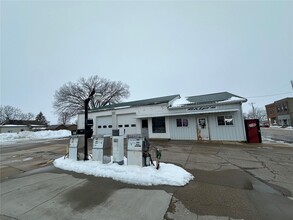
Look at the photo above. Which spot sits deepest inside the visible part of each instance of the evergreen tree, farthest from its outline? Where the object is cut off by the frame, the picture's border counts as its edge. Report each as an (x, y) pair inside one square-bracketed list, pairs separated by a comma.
[(41, 118)]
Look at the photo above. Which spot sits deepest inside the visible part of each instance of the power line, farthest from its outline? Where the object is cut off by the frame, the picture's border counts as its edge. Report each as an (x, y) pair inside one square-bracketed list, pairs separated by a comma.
[(261, 96)]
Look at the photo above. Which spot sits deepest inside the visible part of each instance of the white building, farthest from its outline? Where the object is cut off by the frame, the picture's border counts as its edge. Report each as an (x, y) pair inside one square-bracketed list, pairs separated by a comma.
[(13, 126), (215, 116)]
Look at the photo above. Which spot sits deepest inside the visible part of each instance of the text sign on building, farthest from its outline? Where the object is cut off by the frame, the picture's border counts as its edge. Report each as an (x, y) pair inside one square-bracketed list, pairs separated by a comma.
[(201, 108)]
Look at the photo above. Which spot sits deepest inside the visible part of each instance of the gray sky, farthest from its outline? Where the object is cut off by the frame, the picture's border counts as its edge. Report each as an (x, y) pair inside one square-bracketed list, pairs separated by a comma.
[(157, 48)]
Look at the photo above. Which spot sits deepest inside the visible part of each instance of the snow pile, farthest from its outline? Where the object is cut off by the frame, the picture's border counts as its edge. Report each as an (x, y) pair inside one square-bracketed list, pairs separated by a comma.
[(280, 127), (29, 135), (268, 140), (233, 99), (168, 174)]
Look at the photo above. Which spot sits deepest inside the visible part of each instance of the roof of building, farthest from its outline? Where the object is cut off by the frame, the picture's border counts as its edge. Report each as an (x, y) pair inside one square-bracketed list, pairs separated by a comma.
[(191, 100), (152, 101), (214, 98), (23, 122)]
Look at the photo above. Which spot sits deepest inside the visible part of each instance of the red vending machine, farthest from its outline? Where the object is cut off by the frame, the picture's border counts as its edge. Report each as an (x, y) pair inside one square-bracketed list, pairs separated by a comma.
[(253, 134)]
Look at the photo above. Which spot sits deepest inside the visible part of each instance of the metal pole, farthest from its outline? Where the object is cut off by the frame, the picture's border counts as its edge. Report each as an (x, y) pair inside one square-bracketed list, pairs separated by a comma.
[(86, 102)]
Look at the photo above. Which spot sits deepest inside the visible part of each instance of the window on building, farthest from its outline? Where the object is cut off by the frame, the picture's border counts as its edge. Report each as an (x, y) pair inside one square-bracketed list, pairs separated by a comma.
[(109, 126), (120, 126), (104, 126), (99, 126), (225, 120), (179, 122), (126, 126), (159, 125), (144, 123), (182, 122), (133, 125)]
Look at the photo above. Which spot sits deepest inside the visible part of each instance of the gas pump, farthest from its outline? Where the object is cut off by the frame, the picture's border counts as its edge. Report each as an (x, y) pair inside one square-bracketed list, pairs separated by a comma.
[(73, 147), (138, 151), (134, 150), (118, 149), (98, 148)]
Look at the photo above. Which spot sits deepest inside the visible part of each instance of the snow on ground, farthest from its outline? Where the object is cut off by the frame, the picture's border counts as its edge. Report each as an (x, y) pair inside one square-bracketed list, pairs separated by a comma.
[(280, 127), (9, 138), (269, 140), (168, 174)]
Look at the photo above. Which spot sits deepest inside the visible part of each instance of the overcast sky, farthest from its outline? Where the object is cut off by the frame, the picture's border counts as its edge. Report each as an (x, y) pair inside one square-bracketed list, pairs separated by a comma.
[(157, 48)]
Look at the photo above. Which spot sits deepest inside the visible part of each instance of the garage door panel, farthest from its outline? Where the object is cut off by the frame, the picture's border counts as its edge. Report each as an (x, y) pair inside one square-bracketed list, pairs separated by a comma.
[(127, 124), (104, 125)]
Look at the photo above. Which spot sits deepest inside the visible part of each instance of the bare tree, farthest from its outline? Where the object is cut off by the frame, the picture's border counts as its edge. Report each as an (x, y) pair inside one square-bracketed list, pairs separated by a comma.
[(64, 118), (8, 112), (69, 99), (257, 113), (27, 116)]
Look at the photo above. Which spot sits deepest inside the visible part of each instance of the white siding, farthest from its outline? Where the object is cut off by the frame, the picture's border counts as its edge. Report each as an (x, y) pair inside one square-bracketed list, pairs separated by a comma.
[(134, 115), (183, 133), (228, 132), (13, 129), (104, 125), (127, 124)]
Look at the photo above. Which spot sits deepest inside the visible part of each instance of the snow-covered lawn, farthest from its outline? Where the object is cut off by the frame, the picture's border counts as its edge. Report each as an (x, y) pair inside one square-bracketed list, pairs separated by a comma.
[(279, 127), (168, 174), (8, 138)]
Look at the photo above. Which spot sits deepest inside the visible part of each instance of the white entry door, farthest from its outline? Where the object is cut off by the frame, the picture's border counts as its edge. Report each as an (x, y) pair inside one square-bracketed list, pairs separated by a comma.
[(202, 129)]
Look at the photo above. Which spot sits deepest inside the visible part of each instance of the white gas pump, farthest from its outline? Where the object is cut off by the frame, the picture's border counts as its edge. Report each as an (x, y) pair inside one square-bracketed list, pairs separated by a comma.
[(135, 150), (118, 149), (73, 147), (98, 149)]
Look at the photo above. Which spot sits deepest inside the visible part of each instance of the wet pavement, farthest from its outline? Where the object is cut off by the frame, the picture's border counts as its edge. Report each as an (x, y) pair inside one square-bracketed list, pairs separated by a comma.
[(232, 181)]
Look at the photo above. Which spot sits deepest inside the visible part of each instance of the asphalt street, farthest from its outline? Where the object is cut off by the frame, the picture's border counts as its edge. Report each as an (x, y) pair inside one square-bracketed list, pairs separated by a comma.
[(278, 134), (232, 181)]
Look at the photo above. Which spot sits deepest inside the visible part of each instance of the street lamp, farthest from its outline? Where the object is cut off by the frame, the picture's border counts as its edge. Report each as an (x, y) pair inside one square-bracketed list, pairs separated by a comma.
[(96, 96)]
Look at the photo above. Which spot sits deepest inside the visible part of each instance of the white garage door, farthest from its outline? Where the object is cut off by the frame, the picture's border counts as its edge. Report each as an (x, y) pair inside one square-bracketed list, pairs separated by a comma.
[(127, 124), (104, 125)]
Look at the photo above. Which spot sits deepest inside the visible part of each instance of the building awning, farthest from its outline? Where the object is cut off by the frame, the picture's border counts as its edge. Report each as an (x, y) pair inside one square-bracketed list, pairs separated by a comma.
[(187, 113)]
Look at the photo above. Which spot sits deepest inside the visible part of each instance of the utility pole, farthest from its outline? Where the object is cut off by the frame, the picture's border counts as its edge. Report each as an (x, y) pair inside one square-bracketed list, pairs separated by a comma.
[(292, 84), (253, 109)]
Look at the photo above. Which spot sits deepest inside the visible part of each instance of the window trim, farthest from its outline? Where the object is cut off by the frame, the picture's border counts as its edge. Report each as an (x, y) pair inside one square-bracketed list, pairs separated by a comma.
[(182, 122), (225, 120), (159, 130)]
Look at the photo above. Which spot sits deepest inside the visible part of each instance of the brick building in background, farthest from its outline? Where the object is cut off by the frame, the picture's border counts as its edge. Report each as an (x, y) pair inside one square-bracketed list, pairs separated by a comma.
[(280, 112)]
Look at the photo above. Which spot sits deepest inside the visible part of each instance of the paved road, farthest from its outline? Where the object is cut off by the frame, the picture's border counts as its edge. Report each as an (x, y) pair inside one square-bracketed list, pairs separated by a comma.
[(21, 157), (232, 181), (277, 134)]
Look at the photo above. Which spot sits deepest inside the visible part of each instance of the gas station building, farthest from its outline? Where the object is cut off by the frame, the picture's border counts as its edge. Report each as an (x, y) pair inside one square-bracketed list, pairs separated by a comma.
[(215, 117)]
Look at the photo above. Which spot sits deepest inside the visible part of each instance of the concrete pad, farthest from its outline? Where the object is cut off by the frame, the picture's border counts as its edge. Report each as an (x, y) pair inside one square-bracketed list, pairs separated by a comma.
[(210, 166), (211, 217), (179, 211), (45, 196), (132, 204), (245, 164), (19, 197), (205, 158)]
